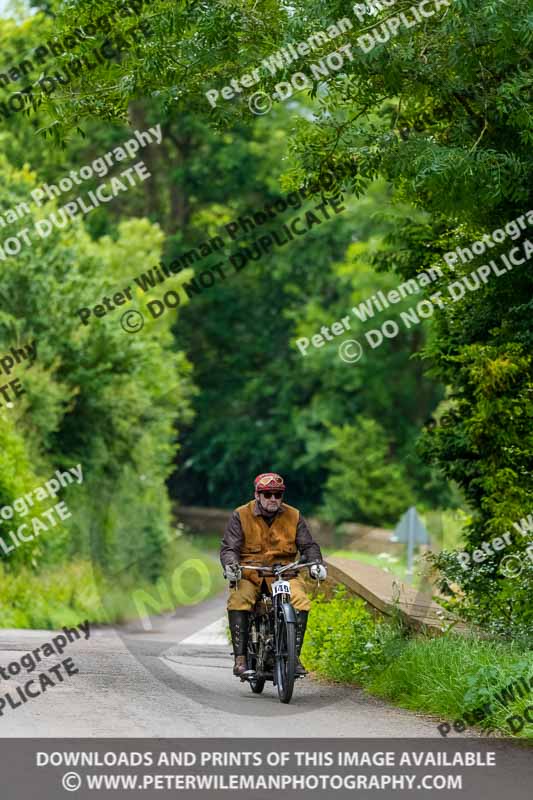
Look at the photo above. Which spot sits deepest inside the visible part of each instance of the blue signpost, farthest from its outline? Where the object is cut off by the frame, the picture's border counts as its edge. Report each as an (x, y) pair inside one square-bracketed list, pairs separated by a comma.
[(411, 531)]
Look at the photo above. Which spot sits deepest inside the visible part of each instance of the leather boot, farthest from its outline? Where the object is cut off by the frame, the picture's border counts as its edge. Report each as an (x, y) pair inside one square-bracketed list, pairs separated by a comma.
[(301, 625), (238, 624)]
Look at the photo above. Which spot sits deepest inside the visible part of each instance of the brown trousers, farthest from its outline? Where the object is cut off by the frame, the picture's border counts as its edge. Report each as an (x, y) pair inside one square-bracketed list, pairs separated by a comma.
[(245, 594)]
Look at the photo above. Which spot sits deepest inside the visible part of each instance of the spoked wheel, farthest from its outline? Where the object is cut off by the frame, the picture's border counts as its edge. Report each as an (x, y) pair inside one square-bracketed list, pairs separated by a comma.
[(256, 684), (285, 659)]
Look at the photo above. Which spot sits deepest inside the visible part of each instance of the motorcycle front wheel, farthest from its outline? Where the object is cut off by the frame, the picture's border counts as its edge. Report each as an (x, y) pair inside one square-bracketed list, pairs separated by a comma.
[(285, 659)]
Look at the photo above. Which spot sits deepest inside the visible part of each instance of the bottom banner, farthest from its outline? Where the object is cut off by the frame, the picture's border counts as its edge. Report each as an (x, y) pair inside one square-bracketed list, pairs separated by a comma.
[(48, 769)]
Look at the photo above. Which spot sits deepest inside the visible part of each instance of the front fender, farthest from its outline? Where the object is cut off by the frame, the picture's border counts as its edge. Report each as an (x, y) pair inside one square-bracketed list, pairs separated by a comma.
[(288, 612)]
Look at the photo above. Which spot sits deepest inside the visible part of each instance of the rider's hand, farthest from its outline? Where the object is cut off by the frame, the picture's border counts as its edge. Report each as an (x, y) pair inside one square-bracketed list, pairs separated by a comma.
[(232, 572), (318, 571)]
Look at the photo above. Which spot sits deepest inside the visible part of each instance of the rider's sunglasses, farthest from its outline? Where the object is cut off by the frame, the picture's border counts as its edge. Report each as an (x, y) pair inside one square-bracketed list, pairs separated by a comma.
[(277, 495)]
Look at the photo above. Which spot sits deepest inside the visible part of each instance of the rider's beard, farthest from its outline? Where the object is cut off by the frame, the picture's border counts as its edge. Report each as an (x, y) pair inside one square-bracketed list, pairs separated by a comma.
[(269, 506)]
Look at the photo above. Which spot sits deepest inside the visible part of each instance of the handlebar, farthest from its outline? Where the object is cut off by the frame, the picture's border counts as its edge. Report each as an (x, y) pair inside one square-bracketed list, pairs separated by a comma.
[(282, 568)]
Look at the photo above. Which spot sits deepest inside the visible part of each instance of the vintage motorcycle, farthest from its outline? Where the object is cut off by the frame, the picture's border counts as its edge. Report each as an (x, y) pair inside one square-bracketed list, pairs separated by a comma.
[(272, 632)]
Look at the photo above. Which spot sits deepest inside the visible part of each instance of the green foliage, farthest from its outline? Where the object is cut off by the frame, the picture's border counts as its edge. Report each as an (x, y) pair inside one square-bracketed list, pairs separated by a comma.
[(442, 113), (210, 182), (364, 483), (69, 593), (188, 47), (446, 675), (451, 675), (94, 396), (62, 595), (291, 401), (486, 596), (341, 641)]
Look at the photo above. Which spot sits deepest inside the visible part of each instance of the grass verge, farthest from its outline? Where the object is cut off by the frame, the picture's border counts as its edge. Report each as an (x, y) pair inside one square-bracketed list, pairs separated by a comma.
[(450, 676), (73, 592), (395, 564)]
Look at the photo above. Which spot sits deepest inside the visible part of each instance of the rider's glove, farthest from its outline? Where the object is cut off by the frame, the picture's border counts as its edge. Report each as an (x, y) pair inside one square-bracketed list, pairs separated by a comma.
[(318, 571), (232, 572)]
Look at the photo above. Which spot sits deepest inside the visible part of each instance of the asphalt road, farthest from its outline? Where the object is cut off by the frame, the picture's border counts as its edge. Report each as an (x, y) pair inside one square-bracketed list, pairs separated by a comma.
[(176, 681)]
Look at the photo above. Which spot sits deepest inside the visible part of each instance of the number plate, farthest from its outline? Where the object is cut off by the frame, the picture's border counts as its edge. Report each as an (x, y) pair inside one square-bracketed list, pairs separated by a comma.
[(281, 587)]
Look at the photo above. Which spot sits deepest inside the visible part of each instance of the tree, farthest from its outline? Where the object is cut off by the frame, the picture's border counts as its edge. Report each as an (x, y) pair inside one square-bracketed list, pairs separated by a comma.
[(364, 483), (94, 395), (441, 110), (455, 139), (241, 336)]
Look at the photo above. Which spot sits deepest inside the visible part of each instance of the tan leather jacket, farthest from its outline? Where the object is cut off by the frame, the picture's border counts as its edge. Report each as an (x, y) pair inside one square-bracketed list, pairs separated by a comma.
[(253, 538)]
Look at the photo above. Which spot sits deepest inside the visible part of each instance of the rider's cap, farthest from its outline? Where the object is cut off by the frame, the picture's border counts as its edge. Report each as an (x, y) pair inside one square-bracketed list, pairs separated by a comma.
[(269, 481)]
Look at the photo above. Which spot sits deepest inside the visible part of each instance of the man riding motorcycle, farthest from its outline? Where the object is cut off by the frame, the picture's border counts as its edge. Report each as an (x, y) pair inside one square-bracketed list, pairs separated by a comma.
[(265, 531)]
